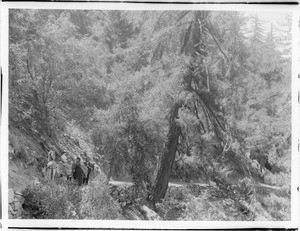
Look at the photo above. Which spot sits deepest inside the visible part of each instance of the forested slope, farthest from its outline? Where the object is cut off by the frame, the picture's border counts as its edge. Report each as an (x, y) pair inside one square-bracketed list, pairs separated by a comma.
[(154, 96)]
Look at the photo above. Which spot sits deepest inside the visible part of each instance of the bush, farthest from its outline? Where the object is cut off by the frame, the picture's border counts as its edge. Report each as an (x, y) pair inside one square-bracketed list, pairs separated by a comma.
[(173, 204), (187, 172), (202, 210), (52, 200), (195, 202), (97, 203), (260, 213), (219, 203), (65, 200), (271, 208), (280, 179), (278, 207)]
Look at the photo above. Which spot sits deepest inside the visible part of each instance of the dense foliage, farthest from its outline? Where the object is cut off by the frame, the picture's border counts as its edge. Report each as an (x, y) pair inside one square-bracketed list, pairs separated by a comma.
[(61, 200), (187, 95)]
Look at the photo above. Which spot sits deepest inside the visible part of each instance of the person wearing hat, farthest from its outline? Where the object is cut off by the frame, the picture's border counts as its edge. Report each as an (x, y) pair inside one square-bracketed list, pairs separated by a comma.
[(77, 172), (88, 168), (50, 169), (66, 166)]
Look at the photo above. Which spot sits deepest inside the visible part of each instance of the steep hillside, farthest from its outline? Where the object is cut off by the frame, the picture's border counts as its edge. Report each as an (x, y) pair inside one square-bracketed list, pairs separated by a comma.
[(28, 154), (26, 158)]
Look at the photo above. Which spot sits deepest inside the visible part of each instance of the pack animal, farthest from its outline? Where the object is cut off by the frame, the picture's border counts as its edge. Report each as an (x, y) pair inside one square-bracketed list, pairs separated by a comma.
[(52, 170)]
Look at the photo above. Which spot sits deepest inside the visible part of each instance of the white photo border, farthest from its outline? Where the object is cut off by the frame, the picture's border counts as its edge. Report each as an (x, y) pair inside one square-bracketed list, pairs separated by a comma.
[(118, 224)]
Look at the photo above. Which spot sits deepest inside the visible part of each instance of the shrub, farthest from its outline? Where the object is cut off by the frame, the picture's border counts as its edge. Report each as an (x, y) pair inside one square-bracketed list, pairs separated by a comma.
[(280, 179), (52, 200), (219, 203), (203, 210), (34, 197), (226, 202), (187, 171), (97, 203), (260, 213), (65, 200), (278, 207), (173, 204)]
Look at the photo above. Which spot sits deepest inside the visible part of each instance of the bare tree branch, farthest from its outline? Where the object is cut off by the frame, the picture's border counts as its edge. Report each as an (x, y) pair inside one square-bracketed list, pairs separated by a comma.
[(216, 41)]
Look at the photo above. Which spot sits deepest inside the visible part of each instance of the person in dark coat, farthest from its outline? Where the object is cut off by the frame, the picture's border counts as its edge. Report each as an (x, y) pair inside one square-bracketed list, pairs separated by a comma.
[(78, 173)]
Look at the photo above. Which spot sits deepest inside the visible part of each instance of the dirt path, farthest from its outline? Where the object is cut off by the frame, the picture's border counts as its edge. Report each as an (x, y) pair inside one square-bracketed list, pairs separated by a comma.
[(172, 183), (180, 184)]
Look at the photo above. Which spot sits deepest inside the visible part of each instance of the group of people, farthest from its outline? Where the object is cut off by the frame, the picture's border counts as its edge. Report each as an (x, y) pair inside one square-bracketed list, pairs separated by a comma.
[(63, 169)]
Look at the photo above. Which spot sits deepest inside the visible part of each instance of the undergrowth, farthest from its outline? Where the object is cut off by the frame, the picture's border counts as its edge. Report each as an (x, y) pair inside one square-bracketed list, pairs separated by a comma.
[(238, 202), (241, 202), (97, 203), (65, 200)]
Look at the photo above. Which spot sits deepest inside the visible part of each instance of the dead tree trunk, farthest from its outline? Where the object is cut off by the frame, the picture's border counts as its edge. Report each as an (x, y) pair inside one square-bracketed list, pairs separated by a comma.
[(166, 161)]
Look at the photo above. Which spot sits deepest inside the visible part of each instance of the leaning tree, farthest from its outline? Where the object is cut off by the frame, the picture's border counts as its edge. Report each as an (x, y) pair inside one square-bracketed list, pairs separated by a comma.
[(197, 32)]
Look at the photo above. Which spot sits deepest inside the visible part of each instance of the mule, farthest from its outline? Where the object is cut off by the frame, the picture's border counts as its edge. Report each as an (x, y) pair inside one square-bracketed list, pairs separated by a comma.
[(51, 170), (55, 170)]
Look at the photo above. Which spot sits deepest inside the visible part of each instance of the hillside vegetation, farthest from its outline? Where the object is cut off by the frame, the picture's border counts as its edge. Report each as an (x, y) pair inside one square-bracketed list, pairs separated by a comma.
[(197, 98)]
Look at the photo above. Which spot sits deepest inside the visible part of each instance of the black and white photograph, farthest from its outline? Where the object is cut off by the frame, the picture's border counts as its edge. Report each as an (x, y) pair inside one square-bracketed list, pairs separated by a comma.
[(150, 114)]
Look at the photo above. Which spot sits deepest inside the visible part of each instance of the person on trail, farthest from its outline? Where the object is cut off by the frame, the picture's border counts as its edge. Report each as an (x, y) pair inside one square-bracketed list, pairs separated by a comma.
[(66, 168), (89, 167), (77, 163), (50, 170), (77, 172), (51, 155), (51, 167), (86, 159)]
